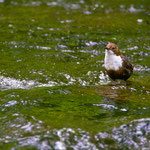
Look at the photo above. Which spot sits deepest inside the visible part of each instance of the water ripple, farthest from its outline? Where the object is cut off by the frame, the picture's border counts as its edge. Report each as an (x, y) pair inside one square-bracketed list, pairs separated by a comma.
[(140, 68), (132, 136), (12, 83)]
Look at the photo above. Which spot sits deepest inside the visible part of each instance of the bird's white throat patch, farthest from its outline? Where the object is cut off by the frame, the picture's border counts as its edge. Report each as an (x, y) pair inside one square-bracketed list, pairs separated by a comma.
[(112, 61)]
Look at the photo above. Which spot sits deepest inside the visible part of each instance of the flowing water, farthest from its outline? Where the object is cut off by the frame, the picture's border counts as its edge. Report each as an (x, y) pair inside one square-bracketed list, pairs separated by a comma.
[(54, 92)]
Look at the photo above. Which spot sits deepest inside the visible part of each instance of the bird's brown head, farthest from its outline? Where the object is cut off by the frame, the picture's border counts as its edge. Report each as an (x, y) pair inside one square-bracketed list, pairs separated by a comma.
[(113, 47)]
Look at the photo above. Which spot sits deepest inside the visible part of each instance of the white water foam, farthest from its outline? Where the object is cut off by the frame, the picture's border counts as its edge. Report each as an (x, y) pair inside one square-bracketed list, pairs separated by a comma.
[(12, 83)]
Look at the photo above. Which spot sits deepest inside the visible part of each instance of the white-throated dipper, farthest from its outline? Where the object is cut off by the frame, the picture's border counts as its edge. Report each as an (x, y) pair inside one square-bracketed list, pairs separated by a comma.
[(116, 64)]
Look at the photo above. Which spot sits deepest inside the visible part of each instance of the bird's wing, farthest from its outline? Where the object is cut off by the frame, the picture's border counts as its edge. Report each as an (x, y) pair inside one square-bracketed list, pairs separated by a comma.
[(126, 63)]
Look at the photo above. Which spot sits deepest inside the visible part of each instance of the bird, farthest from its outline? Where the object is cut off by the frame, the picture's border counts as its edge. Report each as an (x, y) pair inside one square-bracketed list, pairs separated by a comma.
[(116, 64)]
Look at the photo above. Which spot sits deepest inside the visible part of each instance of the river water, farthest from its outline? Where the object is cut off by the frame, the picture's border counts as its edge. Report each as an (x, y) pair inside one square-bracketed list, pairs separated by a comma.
[(54, 92)]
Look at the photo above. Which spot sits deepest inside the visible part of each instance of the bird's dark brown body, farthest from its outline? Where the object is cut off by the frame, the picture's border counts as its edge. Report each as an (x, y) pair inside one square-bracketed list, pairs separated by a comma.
[(116, 64)]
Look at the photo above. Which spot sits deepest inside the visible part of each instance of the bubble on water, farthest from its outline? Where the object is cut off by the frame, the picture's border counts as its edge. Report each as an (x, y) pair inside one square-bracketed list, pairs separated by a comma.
[(87, 12), (43, 47), (40, 47), (91, 43), (75, 6), (133, 89), (122, 6), (106, 106), (133, 9), (23, 44), (10, 103), (52, 3), (81, 1), (102, 6), (140, 20), (114, 87), (96, 5), (148, 92), (94, 52), (104, 79), (132, 48), (11, 31), (51, 29), (59, 145), (28, 127), (68, 51), (10, 25), (140, 68), (62, 46), (66, 21), (123, 109), (39, 28), (15, 114)]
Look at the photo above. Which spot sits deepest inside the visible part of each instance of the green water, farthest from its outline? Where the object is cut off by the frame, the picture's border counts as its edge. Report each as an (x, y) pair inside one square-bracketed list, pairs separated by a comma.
[(54, 93)]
